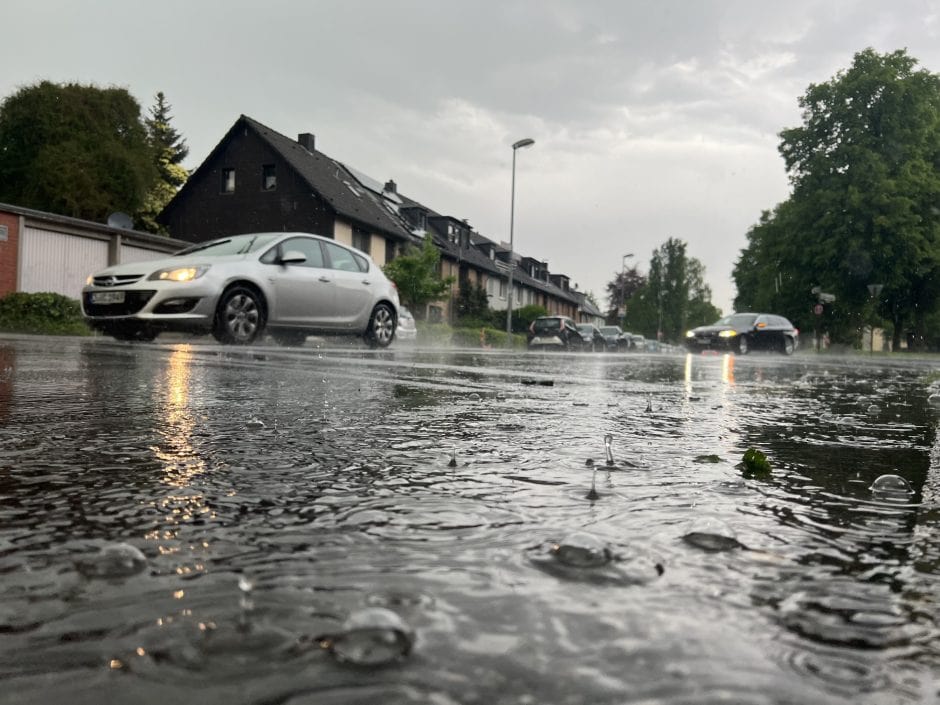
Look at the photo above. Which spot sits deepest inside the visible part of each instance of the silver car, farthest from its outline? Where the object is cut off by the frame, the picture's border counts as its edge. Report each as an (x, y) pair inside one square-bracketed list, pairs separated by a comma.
[(288, 284)]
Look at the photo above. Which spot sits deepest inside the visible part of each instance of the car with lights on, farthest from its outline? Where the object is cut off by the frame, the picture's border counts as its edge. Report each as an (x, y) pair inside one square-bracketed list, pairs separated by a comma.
[(289, 285), (744, 332)]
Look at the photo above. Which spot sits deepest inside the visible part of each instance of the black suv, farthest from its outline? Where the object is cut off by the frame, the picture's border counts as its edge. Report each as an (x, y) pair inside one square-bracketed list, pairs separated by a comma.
[(555, 333)]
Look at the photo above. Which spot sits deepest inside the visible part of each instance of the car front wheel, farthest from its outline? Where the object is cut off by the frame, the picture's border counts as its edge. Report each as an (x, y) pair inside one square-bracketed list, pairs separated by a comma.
[(239, 318), (381, 328)]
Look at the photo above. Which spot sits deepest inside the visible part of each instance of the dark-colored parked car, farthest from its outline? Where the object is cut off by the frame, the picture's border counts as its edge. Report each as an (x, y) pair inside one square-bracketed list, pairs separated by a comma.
[(593, 338), (614, 339), (743, 332), (555, 333)]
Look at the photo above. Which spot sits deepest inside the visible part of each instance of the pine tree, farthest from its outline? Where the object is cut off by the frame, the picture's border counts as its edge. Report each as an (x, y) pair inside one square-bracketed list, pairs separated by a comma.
[(169, 150)]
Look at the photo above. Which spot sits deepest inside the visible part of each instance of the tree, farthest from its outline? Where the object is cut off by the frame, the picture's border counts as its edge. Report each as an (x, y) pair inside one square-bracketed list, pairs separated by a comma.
[(415, 273), (472, 301), (73, 149), (674, 296), (169, 151), (865, 182), (620, 289)]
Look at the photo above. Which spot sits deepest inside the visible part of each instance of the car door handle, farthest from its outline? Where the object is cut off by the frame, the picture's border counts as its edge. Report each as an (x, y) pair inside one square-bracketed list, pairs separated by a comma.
[(325, 279), (367, 282)]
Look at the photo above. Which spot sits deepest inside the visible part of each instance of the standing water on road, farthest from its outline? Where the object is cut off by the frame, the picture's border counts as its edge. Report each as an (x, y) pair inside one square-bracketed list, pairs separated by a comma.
[(187, 522)]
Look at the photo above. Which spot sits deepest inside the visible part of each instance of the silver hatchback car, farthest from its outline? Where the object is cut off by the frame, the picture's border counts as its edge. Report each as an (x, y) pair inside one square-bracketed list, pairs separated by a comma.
[(288, 284)]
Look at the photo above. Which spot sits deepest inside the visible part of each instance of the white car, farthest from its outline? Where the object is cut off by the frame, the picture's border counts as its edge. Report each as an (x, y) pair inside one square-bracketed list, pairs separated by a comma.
[(288, 284), (406, 325)]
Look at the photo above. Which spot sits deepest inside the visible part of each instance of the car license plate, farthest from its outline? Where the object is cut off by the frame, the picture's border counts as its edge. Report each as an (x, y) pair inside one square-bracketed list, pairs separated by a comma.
[(107, 297)]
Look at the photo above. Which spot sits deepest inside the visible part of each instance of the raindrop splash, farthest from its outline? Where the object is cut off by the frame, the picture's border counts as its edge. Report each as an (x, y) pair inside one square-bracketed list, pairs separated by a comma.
[(649, 404), (592, 493), (374, 636), (246, 603), (119, 560), (582, 550), (608, 439), (254, 424), (453, 458), (711, 535)]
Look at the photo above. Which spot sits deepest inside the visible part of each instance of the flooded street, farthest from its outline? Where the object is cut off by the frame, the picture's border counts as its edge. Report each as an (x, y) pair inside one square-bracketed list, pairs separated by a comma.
[(183, 522)]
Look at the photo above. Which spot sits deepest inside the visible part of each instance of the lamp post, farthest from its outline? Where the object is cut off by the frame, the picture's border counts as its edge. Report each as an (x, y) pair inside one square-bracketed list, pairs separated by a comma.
[(623, 286), (526, 142)]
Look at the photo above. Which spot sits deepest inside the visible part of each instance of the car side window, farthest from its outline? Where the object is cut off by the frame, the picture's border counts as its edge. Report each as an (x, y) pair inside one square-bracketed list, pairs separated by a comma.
[(345, 260), (308, 246)]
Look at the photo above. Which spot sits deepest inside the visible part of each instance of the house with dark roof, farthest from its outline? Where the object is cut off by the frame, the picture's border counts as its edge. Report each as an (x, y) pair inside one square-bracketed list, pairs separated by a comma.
[(256, 179)]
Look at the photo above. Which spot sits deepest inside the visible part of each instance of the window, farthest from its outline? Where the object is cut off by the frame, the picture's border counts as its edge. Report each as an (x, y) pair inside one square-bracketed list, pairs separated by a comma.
[(268, 177), (345, 260), (502, 289), (307, 245), (389, 251), (228, 181), (361, 240)]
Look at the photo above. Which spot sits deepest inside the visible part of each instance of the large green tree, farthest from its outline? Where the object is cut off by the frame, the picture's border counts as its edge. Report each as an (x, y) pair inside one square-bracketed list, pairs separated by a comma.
[(77, 150), (169, 151), (417, 278), (864, 166), (621, 289)]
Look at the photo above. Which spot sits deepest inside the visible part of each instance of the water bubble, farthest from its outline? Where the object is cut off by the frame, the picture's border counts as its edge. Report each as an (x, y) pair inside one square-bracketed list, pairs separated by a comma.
[(254, 423), (473, 396), (710, 534), (934, 400), (582, 550), (371, 637), (874, 409), (891, 488), (119, 560)]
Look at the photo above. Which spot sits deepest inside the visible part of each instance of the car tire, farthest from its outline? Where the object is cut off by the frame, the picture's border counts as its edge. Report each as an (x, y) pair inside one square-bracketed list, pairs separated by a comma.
[(240, 316), (743, 345), (788, 345), (381, 330), (289, 338)]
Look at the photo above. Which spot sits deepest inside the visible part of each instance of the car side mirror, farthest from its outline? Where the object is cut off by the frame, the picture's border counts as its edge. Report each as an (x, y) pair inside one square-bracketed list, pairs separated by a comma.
[(292, 257)]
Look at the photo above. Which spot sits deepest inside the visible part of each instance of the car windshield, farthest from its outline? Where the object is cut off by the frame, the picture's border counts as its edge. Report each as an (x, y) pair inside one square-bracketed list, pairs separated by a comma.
[(238, 245), (542, 324), (585, 328), (737, 320), (610, 330)]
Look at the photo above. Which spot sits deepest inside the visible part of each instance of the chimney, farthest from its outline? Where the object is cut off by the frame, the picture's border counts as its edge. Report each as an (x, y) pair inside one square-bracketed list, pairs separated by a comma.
[(307, 141), (391, 186)]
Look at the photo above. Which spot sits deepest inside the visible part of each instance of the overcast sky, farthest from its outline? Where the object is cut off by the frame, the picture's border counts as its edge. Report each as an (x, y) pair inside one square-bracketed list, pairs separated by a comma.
[(652, 119)]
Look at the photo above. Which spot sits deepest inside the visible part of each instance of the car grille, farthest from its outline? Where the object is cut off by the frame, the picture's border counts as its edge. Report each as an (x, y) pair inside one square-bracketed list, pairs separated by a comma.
[(133, 302), (117, 279)]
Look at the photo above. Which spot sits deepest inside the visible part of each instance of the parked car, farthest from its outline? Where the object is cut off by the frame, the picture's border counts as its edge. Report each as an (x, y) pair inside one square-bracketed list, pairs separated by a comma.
[(743, 332), (406, 325), (593, 338), (614, 340), (288, 284), (637, 342), (555, 333)]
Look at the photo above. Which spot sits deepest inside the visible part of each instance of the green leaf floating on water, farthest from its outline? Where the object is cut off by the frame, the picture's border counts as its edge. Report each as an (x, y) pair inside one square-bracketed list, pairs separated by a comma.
[(755, 464), (707, 459)]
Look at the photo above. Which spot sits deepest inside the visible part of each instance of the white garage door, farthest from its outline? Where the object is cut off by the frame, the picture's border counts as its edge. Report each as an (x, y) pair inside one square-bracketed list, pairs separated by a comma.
[(58, 263)]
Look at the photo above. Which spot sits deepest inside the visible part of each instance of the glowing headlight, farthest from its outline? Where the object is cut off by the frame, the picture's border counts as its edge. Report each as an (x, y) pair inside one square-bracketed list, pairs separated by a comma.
[(727, 334), (90, 280), (179, 274), (690, 334)]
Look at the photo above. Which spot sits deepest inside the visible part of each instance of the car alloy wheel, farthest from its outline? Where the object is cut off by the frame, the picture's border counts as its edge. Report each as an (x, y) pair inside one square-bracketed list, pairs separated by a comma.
[(381, 326), (239, 319)]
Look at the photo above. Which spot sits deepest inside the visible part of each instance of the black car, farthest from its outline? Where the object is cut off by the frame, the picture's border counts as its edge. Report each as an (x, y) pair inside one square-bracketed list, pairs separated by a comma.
[(555, 333), (614, 340), (593, 338), (744, 332)]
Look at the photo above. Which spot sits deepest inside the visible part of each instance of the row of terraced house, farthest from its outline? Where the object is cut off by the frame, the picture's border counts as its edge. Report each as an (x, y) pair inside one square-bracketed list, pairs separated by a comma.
[(256, 179)]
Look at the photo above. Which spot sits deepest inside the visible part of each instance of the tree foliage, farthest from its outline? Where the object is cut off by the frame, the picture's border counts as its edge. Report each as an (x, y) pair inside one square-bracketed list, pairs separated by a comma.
[(472, 301), (620, 289), (864, 166), (77, 150), (674, 296), (415, 273), (169, 151)]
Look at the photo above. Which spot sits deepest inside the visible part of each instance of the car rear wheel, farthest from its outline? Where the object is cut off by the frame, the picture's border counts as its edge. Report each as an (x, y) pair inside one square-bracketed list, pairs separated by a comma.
[(788, 345), (240, 317), (289, 338), (381, 328), (743, 345)]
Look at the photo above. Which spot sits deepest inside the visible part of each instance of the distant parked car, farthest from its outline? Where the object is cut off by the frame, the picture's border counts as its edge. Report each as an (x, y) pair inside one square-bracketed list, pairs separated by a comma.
[(743, 332), (637, 342), (555, 333), (593, 338), (237, 288), (406, 325), (614, 340)]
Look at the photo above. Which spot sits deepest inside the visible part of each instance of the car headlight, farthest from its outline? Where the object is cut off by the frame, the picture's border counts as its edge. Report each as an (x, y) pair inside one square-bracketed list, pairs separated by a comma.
[(179, 274), (690, 334), (90, 280), (727, 334)]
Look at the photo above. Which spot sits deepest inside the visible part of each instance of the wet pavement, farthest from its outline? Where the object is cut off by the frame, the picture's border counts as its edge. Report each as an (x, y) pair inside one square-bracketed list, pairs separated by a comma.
[(181, 521)]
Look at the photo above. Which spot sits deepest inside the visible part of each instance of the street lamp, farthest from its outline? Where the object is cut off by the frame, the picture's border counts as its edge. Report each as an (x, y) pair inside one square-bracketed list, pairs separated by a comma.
[(526, 142), (623, 276)]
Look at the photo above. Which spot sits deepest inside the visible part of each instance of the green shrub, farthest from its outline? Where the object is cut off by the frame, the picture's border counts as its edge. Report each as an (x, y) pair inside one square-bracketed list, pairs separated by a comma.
[(45, 312)]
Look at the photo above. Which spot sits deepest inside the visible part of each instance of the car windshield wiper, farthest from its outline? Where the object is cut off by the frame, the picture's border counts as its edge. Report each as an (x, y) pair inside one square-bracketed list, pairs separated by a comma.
[(247, 248), (200, 247)]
